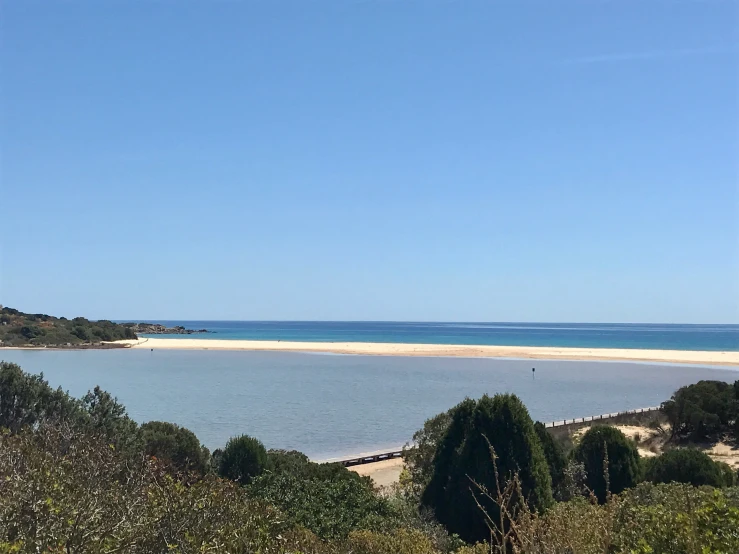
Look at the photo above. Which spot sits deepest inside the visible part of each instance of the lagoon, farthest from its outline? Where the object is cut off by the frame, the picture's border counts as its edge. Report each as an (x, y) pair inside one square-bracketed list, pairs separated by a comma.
[(334, 405)]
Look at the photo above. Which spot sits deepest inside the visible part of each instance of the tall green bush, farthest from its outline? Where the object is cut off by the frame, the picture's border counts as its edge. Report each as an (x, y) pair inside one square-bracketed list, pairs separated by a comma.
[(611, 460), (499, 425), (555, 456), (243, 459)]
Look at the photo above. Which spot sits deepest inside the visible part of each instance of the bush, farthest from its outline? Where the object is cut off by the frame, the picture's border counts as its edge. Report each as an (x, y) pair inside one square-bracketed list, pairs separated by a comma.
[(606, 451), (501, 424), (555, 456), (666, 519), (328, 499), (685, 465), (175, 445), (70, 492), (401, 540), (703, 410), (243, 459), (648, 519)]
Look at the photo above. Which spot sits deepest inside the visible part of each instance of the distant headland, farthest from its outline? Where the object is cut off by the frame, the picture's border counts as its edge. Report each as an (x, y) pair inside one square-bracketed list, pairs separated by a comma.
[(24, 330)]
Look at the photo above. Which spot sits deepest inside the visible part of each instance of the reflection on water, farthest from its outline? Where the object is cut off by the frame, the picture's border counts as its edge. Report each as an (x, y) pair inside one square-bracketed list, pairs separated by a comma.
[(329, 406)]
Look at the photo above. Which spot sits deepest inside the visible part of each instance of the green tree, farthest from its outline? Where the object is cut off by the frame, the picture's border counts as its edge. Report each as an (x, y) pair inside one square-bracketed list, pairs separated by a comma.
[(685, 465), (501, 426), (27, 399), (703, 410), (243, 459), (419, 456), (555, 456), (175, 445), (108, 416), (607, 453)]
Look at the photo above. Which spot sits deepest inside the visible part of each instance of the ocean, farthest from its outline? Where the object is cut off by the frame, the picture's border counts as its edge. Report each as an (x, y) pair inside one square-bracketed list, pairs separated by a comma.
[(334, 405), (585, 335)]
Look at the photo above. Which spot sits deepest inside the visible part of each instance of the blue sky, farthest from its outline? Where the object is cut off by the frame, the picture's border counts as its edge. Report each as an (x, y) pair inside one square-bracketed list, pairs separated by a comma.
[(474, 160)]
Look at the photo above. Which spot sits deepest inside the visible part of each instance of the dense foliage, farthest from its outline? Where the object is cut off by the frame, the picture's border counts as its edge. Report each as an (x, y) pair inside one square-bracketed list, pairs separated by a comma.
[(243, 459), (21, 329), (555, 457), (419, 456), (27, 400), (704, 410), (500, 428), (328, 499), (65, 491), (687, 465), (611, 461), (176, 446), (78, 475), (648, 519)]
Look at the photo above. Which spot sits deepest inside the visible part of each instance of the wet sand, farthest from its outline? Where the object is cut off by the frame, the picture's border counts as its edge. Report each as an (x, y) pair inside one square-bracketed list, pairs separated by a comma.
[(447, 350)]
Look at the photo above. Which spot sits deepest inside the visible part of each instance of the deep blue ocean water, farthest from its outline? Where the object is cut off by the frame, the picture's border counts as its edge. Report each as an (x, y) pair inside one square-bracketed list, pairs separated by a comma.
[(588, 335)]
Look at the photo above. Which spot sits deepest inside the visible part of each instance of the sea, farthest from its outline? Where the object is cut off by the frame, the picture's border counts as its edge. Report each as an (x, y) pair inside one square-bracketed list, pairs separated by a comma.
[(329, 405), (585, 335)]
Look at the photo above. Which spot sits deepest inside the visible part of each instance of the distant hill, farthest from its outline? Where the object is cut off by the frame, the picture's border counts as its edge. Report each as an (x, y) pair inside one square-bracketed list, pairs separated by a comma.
[(21, 329)]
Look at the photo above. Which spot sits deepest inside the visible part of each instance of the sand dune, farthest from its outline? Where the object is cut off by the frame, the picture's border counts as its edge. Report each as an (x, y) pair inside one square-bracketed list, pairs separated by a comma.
[(391, 349)]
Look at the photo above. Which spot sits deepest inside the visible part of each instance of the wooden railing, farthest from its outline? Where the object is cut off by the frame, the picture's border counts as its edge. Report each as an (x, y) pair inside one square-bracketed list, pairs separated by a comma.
[(552, 424)]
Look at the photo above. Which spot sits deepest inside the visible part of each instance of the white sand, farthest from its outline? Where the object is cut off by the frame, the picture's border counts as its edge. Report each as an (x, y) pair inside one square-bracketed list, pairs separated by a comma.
[(383, 473), (391, 349)]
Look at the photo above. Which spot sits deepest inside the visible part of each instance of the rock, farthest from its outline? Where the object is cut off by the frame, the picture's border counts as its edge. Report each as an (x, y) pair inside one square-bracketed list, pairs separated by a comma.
[(158, 329)]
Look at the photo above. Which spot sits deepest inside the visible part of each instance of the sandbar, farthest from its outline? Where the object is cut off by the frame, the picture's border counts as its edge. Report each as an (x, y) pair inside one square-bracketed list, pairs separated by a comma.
[(728, 358)]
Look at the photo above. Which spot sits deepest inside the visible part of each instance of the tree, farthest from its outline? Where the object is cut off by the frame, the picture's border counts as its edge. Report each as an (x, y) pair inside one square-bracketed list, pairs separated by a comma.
[(243, 459), (27, 399), (500, 427), (611, 461), (108, 416), (685, 465), (555, 456), (175, 445), (703, 410), (419, 455)]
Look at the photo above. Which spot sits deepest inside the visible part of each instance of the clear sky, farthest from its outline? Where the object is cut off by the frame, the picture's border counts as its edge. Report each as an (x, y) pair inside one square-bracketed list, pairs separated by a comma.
[(474, 160)]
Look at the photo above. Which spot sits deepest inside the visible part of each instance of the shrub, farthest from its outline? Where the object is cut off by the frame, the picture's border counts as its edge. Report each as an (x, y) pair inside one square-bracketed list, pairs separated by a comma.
[(702, 410), (66, 491), (606, 451), (243, 459), (328, 499), (555, 456), (730, 476), (670, 518), (175, 445), (685, 465), (501, 425), (400, 541)]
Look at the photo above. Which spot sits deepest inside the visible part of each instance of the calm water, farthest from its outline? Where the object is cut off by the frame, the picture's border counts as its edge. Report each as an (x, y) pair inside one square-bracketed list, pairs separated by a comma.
[(663, 337), (328, 405)]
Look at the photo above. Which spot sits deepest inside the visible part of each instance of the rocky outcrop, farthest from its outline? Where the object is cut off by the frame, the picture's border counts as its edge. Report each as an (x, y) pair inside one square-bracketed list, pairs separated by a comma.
[(157, 329)]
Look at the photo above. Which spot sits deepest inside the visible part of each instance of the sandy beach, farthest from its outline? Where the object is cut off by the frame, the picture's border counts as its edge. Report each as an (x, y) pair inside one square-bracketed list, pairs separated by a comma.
[(467, 351)]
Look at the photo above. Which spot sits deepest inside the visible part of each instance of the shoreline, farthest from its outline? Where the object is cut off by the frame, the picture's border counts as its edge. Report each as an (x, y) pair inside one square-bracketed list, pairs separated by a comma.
[(698, 357)]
